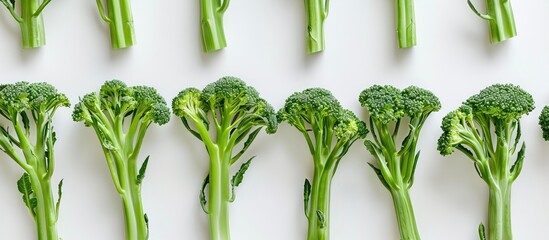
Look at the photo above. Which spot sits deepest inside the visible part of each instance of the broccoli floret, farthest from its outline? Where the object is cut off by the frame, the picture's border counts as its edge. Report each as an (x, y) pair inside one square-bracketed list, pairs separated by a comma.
[(29, 108), (329, 131), (121, 116), (487, 130), (544, 122), (388, 107), (237, 114)]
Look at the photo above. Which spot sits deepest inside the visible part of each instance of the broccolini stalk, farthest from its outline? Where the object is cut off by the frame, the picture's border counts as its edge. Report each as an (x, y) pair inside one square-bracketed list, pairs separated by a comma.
[(121, 116), (236, 114), (30, 21), (487, 130), (500, 18), (389, 107), (317, 12), (213, 33), (329, 131), (25, 105), (406, 23), (118, 15)]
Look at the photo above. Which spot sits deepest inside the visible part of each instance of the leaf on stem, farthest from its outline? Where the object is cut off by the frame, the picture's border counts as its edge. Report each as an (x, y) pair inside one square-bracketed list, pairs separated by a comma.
[(306, 196), (321, 219), (202, 196), (239, 176), (25, 187), (142, 171)]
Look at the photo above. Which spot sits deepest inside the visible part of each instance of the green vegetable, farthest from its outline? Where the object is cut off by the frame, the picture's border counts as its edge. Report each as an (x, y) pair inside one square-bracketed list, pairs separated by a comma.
[(118, 14), (406, 23), (317, 12), (120, 116), (29, 140), (500, 18), (213, 33), (544, 122), (225, 115), (393, 111), (329, 131), (30, 20), (487, 130)]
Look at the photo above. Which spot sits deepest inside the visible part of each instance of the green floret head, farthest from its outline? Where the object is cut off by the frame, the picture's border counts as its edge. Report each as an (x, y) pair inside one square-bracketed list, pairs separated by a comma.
[(544, 122), (418, 101), (312, 102), (187, 100), (81, 112), (268, 116), (114, 88), (384, 103), (45, 96), (14, 98), (348, 126), (451, 125), (153, 106), (159, 114), (229, 92), (502, 101)]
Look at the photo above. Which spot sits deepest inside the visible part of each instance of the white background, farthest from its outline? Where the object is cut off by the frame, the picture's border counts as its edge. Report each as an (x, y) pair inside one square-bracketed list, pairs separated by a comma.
[(267, 49)]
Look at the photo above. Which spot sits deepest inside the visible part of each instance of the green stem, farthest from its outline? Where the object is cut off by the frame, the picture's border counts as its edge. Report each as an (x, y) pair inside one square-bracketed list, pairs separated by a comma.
[(219, 196), (502, 25), (213, 33), (316, 14), (46, 217), (500, 212), (121, 24), (406, 23), (130, 218), (319, 208), (138, 211), (405, 214), (32, 27)]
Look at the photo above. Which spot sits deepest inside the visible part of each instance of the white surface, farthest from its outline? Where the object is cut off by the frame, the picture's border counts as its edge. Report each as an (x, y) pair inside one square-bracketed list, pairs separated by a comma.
[(267, 49)]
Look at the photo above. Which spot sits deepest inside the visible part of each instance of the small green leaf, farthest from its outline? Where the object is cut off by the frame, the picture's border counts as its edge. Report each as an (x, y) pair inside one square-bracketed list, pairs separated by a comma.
[(188, 127), (26, 122), (321, 219), (307, 196), (239, 176), (517, 166), (25, 187), (379, 175), (481, 232), (142, 171), (247, 144), (413, 173), (147, 224), (202, 196), (59, 196), (12, 2), (517, 137)]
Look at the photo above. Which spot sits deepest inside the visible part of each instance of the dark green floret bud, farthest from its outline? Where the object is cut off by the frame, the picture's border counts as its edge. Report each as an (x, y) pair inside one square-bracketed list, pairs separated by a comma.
[(348, 126), (311, 102), (229, 92), (418, 100), (502, 101), (384, 103), (544, 122)]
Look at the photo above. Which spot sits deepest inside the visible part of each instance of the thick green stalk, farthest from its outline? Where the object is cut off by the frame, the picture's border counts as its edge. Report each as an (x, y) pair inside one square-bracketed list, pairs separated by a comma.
[(502, 27), (319, 206), (317, 11), (32, 26), (218, 209), (213, 33), (121, 23), (130, 218), (500, 212), (406, 23), (500, 18), (46, 217), (405, 214)]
